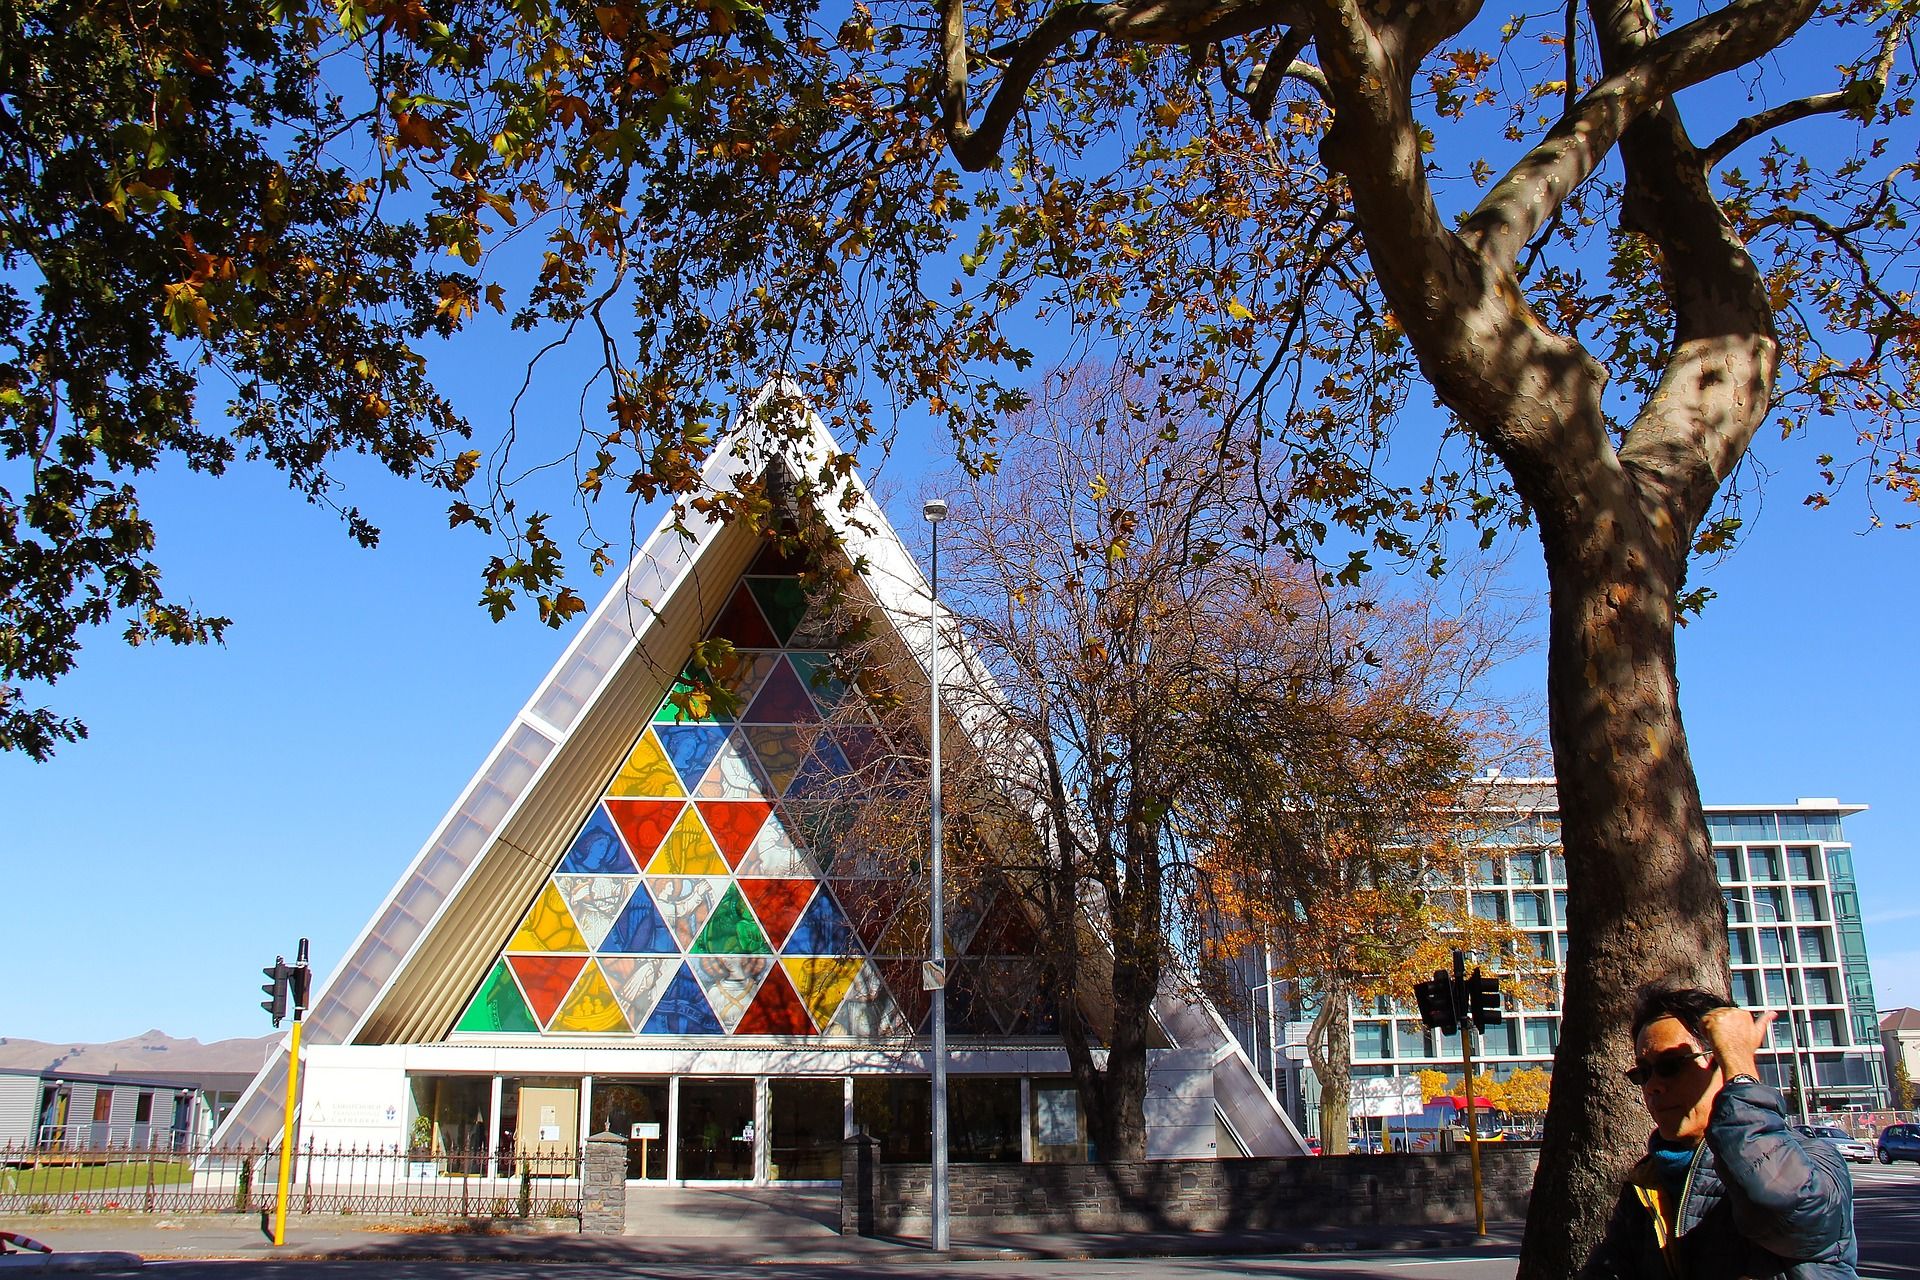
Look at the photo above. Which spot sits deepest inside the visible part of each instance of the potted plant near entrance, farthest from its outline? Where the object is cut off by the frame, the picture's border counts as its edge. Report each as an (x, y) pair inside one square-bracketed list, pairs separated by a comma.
[(420, 1148)]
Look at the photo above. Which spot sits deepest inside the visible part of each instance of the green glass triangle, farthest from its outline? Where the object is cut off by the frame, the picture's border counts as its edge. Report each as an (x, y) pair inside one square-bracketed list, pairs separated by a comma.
[(499, 1006), (731, 930), (783, 600), (680, 703)]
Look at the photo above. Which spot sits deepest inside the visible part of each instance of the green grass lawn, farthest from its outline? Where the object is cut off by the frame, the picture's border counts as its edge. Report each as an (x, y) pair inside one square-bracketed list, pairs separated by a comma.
[(66, 1179)]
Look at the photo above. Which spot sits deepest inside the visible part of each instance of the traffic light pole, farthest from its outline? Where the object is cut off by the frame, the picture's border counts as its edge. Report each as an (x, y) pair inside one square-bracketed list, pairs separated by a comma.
[(289, 986), (1473, 1127), (286, 1137)]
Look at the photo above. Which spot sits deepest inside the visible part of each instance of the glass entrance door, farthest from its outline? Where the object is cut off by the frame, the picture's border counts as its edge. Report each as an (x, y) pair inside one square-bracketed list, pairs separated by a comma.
[(637, 1111), (716, 1130)]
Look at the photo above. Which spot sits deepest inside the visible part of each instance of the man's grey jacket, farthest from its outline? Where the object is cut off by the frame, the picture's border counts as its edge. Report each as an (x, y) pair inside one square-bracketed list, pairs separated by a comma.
[(1759, 1201)]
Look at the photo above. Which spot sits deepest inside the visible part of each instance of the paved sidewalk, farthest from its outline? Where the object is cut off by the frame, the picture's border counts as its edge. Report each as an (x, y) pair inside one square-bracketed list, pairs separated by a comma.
[(668, 1226)]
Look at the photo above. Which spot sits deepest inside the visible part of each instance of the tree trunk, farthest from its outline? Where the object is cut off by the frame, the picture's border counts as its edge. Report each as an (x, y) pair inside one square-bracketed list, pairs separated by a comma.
[(1643, 903), (1330, 1047)]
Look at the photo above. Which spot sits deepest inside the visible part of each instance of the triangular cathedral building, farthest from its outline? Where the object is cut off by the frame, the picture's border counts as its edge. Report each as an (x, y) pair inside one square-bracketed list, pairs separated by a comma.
[(637, 916)]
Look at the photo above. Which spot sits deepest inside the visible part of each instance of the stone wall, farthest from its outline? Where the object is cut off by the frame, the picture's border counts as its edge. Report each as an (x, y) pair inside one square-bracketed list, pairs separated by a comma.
[(1189, 1195)]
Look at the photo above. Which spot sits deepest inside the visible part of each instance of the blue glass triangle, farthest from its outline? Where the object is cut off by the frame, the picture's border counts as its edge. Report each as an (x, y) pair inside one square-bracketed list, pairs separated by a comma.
[(692, 748), (822, 931), (825, 765), (683, 1010), (640, 930), (598, 850)]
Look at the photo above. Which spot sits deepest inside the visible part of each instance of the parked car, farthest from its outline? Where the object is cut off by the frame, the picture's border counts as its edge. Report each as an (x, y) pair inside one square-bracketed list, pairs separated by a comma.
[(1900, 1142), (1856, 1149)]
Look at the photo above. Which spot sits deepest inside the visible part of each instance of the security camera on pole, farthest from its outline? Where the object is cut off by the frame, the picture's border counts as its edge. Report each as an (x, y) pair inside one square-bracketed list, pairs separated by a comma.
[(1453, 1001)]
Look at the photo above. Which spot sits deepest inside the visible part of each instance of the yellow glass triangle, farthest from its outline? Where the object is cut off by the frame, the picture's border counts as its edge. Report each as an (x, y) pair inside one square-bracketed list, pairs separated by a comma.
[(822, 982), (549, 926), (688, 851), (647, 772), (590, 1005)]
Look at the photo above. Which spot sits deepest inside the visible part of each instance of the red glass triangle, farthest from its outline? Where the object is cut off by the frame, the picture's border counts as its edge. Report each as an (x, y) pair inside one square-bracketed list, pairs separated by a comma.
[(742, 622), (868, 905), (778, 903), (1005, 932), (643, 824), (546, 980), (783, 700), (734, 824), (777, 1010), (902, 976)]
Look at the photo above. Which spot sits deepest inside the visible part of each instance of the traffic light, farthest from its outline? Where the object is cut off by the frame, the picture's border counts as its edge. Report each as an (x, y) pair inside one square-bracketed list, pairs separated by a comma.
[(1436, 1000), (280, 974), (1483, 1001)]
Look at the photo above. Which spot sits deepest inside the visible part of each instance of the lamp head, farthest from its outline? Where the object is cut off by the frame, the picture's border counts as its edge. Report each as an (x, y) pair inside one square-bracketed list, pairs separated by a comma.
[(935, 510)]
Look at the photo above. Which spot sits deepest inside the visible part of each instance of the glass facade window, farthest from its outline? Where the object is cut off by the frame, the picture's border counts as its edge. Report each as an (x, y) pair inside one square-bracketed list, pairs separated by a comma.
[(451, 1122), (1771, 904), (1807, 905), (1803, 862), (1558, 865), (1826, 1029), (1530, 909), (1777, 990), (1740, 946), (1821, 987), (805, 1121), (1726, 865), (1059, 1130), (1525, 868), (716, 1130), (1489, 871), (1409, 1040), (1746, 989), (1490, 906), (637, 1111), (983, 1120), (1801, 826), (1370, 1040), (1560, 906), (1770, 946), (897, 1112), (1764, 864), (1540, 1036), (1815, 946)]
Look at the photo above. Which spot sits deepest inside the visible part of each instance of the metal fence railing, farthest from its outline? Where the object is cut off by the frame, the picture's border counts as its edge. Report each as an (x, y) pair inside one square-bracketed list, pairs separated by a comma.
[(1864, 1124), (374, 1180)]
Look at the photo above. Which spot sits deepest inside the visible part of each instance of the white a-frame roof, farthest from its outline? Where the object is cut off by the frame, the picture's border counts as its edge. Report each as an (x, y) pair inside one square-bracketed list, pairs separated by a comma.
[(410, 972)]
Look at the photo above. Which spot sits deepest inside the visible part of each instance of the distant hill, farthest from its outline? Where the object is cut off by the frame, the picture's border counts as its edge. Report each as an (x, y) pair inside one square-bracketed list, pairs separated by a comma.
[(153, 1051)]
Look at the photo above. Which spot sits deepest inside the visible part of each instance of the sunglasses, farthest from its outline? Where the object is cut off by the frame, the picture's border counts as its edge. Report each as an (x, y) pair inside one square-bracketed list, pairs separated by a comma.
[(1666, 1067)]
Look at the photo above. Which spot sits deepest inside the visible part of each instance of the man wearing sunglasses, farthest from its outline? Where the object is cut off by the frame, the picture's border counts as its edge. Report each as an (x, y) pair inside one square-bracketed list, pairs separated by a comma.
[(1727, 1190)]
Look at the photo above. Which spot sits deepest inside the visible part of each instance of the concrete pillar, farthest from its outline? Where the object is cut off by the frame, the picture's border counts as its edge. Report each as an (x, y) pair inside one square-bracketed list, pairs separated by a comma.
[(603, 1186)]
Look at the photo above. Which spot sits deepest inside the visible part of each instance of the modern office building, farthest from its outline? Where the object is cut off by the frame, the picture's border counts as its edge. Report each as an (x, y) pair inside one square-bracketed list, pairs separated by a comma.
[(645, 913), (1794, 933)]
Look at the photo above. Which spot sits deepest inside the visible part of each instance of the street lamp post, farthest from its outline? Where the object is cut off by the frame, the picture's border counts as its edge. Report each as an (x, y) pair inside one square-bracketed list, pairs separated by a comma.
[(935, 510)]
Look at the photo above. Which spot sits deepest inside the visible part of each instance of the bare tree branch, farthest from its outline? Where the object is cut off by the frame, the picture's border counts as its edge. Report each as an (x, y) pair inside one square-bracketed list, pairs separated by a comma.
[(1859, 96), (1521, 202)]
